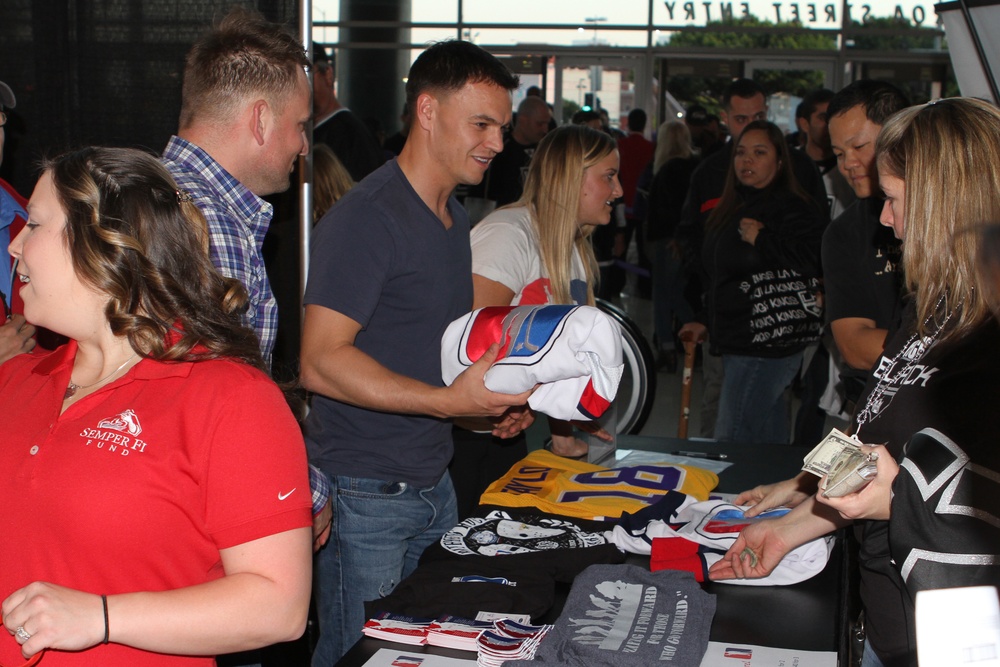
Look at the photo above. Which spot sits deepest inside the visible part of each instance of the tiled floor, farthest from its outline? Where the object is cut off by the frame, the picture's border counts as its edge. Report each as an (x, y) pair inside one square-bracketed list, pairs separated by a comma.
[(665, 414)]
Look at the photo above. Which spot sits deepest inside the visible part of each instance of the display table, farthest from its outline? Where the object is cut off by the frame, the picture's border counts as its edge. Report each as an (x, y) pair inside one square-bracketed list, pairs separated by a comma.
[(811, 615)]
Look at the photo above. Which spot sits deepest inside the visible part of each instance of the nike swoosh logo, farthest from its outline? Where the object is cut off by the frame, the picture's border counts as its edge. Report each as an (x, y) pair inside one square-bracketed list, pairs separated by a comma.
[(282, 496)]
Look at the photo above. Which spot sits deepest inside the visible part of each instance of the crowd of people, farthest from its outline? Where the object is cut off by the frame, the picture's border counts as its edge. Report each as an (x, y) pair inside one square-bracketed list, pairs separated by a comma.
[(925, 520), (140, 323)]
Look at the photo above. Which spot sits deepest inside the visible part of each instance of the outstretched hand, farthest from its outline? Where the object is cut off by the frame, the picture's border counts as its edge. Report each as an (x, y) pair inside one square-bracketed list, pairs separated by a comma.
[(513, 422), (593, 428), (787, 493), (755, 553)]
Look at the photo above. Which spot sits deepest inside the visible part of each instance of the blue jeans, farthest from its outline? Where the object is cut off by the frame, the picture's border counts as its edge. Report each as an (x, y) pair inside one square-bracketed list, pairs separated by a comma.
[(711, 378), (868, 658), (668, 292), (379, 530), (752, 407)]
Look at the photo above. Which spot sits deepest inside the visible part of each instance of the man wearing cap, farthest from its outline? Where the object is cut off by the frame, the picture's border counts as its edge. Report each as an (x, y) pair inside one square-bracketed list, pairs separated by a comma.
[(16, 335), (696, 117), (336, 126), (706, 134)]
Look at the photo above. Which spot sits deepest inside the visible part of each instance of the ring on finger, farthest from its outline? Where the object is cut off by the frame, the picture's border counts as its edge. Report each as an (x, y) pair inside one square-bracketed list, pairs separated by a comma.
[(22, 634)]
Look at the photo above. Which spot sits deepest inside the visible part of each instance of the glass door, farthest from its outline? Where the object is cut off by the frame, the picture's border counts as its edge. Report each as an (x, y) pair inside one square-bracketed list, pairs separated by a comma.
[(615, 84), (788, 81)]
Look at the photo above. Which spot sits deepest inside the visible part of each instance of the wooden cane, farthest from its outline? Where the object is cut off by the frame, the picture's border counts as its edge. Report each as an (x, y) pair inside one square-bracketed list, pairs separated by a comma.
[(690, 347)]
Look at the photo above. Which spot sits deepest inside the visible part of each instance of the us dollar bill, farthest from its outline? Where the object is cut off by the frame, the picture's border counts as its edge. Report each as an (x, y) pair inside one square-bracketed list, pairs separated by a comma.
[(828, 451)]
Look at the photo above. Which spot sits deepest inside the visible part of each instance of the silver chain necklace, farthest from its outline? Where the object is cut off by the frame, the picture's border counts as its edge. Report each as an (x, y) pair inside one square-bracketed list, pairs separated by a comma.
[(874, 405), (72, 387)]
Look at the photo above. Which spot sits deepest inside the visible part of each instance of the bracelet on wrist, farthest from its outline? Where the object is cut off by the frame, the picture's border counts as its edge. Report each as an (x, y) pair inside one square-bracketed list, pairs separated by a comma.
[(107, 628)]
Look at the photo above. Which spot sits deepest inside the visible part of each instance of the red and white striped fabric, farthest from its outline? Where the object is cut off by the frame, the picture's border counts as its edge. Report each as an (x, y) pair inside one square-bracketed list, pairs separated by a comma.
[(573, 352)]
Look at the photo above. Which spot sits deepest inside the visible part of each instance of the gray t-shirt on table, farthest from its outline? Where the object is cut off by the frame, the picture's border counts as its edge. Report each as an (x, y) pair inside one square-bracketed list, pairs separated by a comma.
[(621, 615)]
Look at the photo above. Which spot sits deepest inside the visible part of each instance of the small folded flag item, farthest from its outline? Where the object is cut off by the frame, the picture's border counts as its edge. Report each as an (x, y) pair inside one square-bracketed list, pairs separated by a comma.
[(573, 352), (397, 628)]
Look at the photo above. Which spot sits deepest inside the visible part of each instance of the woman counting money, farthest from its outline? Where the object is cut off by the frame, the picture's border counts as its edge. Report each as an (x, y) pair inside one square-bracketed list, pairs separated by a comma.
[(156, 505), (928, 518)]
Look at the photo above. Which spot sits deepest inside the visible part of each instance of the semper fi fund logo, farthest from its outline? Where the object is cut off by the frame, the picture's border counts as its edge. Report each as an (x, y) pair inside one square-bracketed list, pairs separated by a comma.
[(116, 435)]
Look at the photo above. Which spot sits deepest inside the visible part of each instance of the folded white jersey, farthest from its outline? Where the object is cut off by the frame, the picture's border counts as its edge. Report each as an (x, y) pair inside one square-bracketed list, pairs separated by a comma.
[(694, 536), (573, 352)]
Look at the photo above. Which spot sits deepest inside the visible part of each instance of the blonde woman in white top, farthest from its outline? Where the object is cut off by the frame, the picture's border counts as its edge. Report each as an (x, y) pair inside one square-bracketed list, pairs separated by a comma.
[(538, 250)]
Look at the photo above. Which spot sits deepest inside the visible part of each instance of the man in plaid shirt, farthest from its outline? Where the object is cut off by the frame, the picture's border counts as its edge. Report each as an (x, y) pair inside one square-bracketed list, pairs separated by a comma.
[(245, 104)]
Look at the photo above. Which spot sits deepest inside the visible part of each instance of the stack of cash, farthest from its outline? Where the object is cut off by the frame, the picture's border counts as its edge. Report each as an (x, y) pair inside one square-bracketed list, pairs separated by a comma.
[(839, 458)]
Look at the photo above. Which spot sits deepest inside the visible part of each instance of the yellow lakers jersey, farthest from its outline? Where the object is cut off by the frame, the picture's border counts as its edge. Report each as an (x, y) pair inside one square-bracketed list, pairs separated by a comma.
[(563, 486)]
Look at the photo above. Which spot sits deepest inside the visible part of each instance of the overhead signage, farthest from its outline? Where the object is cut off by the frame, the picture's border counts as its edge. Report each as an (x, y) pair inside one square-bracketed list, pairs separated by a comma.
[(809, 14)]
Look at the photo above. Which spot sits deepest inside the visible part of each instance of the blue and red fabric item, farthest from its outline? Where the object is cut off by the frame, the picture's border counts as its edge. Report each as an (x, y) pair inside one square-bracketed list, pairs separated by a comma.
[(12, 220), (692, 536), (573, 352)]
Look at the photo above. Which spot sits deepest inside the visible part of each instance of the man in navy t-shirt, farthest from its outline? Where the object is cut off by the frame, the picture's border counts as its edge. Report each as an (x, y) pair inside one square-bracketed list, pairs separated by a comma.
[(390, 268)]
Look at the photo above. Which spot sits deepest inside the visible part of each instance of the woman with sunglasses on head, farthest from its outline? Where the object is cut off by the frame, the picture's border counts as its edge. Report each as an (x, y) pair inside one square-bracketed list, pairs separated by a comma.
[(760, 259), (928, 518), (156, 505)]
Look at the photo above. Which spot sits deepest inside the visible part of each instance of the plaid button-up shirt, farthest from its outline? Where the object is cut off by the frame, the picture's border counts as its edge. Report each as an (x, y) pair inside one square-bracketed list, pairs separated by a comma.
[(237, 223)]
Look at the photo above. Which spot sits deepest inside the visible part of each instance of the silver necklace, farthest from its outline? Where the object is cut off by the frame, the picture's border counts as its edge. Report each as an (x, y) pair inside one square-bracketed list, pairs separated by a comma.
[(72, 387), (913, 354)]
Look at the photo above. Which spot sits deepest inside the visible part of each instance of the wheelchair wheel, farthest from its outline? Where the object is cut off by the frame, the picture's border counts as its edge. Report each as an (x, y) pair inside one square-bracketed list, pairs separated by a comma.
[(638, 385)]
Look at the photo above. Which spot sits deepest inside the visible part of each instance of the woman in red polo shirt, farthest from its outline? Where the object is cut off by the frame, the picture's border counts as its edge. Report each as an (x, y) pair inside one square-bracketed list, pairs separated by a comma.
[(156, 504)]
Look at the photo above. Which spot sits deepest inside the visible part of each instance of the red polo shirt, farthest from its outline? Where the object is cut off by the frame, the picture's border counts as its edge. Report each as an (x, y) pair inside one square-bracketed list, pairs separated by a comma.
[(137, 486)]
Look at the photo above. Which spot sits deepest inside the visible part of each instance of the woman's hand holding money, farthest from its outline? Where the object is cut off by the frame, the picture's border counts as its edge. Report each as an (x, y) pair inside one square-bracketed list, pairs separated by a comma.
[(874, 500)]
